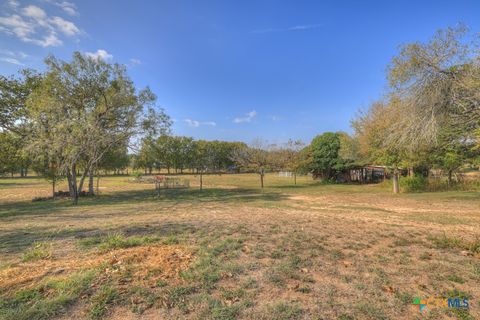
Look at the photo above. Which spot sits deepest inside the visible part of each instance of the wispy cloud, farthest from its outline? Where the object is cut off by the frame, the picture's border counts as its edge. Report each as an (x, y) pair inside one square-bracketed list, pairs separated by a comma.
[(32, 24), (13, 4), (12, 57), (11, 60), (300, 27), (274, 118), (66, 27), (135, 62), (248, 117), (100, 54), (68, 7), (196, 123)]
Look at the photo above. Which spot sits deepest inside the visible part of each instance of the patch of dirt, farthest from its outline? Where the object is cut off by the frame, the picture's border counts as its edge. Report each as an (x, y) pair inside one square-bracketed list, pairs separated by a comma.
[(147, 264)]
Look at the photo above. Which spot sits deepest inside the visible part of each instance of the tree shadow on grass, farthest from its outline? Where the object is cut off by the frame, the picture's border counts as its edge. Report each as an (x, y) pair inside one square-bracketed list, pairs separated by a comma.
[(293, 187), (167, 196), (20, 239)]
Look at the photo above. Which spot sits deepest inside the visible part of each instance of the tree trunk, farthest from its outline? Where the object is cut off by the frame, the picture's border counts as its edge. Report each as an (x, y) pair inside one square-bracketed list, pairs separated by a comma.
[(449, 182), (53, 187), (295, 178), (74, 185), (396, 188), (82, 180), (69, 181), (91, 192), (98, 182), (261, 178), (201, 180)]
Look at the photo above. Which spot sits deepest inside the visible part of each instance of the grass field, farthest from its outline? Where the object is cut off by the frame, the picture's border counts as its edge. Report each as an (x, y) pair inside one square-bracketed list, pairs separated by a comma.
[(231, 251)]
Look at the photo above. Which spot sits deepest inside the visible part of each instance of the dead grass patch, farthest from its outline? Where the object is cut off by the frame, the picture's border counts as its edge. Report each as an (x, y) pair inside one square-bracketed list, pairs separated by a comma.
[(148, 265)]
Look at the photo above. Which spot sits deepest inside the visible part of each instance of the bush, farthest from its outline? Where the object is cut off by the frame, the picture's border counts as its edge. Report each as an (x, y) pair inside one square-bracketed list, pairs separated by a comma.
[(137, 175), (413, 184)]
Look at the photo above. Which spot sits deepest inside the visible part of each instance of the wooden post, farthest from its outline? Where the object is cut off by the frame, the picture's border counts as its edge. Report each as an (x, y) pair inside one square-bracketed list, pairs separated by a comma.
[(261, 177), (396, 187)]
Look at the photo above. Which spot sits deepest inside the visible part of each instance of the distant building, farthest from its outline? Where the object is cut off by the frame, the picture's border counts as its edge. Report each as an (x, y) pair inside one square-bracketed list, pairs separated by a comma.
[(285, 174), (364, 174)]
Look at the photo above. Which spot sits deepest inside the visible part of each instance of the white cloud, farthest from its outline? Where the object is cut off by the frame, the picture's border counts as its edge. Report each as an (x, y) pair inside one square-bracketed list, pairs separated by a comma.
[(13, 4), (303, 27), (248, 117), (32, 24), (196, 123), (34, 12), (275, 118), (192, 123), (11, 60), (7, 52), (293, 28), (50, 40), (16, 25), (134, 61), (69, 7), (19, 55), (99, 54), (66, 27)]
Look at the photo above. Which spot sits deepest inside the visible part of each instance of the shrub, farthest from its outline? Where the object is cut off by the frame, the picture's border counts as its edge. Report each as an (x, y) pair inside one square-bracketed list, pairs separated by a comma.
[(413, 184), (137, 175)]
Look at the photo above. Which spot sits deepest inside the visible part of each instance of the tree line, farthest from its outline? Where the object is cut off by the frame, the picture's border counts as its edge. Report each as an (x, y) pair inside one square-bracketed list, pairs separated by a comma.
[(80, 117), (177, 153)]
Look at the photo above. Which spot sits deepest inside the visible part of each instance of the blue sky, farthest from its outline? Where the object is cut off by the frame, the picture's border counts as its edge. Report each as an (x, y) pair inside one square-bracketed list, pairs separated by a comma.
[(236, 70)]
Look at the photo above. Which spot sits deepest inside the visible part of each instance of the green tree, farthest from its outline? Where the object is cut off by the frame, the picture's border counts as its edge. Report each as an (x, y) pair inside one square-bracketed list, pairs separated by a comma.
[(323, 156), (254, 158), (288, 157), (10, 153), (371, 131), (14, 92), (438, 83), (83, 109)]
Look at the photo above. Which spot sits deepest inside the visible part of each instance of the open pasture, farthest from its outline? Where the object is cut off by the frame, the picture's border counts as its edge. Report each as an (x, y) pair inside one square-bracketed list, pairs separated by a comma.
[(233, 251)]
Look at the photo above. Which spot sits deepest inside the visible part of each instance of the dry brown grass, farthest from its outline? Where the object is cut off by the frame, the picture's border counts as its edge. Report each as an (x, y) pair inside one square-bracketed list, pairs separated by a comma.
[(311, 252)]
